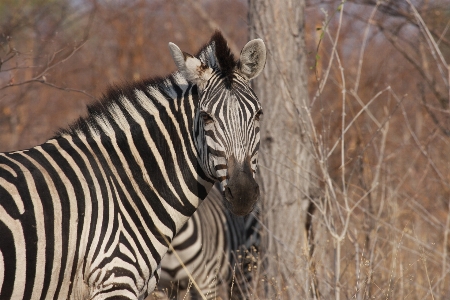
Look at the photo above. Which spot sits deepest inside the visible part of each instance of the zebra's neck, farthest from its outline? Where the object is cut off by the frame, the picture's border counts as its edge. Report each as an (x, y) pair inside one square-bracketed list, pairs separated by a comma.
[(142, 138)]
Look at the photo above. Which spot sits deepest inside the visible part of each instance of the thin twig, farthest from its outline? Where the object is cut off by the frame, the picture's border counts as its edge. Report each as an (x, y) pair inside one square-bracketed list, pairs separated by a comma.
[(363, 46)]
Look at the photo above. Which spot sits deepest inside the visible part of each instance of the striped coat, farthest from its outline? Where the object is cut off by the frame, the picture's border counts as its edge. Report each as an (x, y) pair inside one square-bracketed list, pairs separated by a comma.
[(88, 214)]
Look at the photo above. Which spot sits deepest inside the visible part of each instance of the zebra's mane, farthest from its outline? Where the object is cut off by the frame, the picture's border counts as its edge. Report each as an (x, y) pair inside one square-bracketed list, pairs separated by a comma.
[(106, 106), (216, 54)]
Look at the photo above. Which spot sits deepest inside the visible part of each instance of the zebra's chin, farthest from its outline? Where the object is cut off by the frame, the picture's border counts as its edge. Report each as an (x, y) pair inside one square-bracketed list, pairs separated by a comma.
[(239, 210)]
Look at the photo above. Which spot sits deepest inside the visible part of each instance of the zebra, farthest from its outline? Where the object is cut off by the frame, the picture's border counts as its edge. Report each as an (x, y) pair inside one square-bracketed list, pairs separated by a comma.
[(215, 246), (89, 213)]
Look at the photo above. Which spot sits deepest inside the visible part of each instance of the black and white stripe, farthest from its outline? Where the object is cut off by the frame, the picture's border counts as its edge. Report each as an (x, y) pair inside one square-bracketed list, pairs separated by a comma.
[(86, 215), (217, 248)]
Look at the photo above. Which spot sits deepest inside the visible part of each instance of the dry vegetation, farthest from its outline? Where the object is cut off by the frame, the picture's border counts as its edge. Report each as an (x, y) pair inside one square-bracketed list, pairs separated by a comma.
[(379, 102), (379, 92)]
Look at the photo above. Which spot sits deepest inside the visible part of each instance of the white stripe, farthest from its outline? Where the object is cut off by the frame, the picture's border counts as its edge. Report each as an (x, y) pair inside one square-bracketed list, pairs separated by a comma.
[(127, 252), (222, 172), (8, 168)]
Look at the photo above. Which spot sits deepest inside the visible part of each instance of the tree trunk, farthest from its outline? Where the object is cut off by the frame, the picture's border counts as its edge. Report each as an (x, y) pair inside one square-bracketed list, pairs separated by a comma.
[(285, 160)]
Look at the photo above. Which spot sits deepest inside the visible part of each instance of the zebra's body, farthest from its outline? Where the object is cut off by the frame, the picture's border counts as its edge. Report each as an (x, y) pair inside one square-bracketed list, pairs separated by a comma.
[(87, 215), (217, 248)]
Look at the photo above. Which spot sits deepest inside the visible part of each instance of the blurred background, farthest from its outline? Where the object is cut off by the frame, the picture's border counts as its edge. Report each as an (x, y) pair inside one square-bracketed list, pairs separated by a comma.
[(58, 56)]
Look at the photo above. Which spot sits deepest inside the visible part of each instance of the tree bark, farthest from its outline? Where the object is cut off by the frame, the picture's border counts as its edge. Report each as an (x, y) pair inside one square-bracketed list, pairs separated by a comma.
[(285, 160)]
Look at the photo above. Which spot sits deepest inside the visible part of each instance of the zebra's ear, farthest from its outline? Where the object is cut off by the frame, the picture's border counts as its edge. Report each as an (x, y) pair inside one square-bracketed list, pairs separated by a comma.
[(191, 67), (253, 58)]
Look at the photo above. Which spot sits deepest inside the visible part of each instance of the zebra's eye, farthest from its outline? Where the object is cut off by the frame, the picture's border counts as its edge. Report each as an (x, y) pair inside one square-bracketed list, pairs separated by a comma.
[(206, 118), (258, 115)]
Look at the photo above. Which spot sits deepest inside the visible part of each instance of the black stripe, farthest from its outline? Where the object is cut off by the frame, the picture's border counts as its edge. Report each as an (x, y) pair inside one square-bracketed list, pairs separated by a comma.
[(9, 259)]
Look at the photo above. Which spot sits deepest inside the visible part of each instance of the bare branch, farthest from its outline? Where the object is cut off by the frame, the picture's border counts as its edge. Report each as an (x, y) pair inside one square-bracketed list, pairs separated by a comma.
[(41, 77)]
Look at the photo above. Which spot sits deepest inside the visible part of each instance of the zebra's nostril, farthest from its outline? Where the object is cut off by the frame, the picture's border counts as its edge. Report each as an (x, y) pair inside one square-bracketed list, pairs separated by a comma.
[(228, 193)]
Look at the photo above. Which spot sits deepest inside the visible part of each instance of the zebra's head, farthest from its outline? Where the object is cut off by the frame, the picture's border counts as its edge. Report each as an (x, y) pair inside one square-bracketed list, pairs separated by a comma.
[(226, 124)]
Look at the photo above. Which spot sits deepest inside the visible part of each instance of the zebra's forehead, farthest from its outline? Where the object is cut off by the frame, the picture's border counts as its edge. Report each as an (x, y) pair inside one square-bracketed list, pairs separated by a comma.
[(239, 95)]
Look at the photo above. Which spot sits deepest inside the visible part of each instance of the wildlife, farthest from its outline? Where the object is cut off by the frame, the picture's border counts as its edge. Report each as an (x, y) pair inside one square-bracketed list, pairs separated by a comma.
[(89, 213)]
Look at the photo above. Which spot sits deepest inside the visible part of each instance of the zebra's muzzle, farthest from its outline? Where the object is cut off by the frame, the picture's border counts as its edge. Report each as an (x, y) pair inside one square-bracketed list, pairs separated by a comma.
[(242, 191)]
